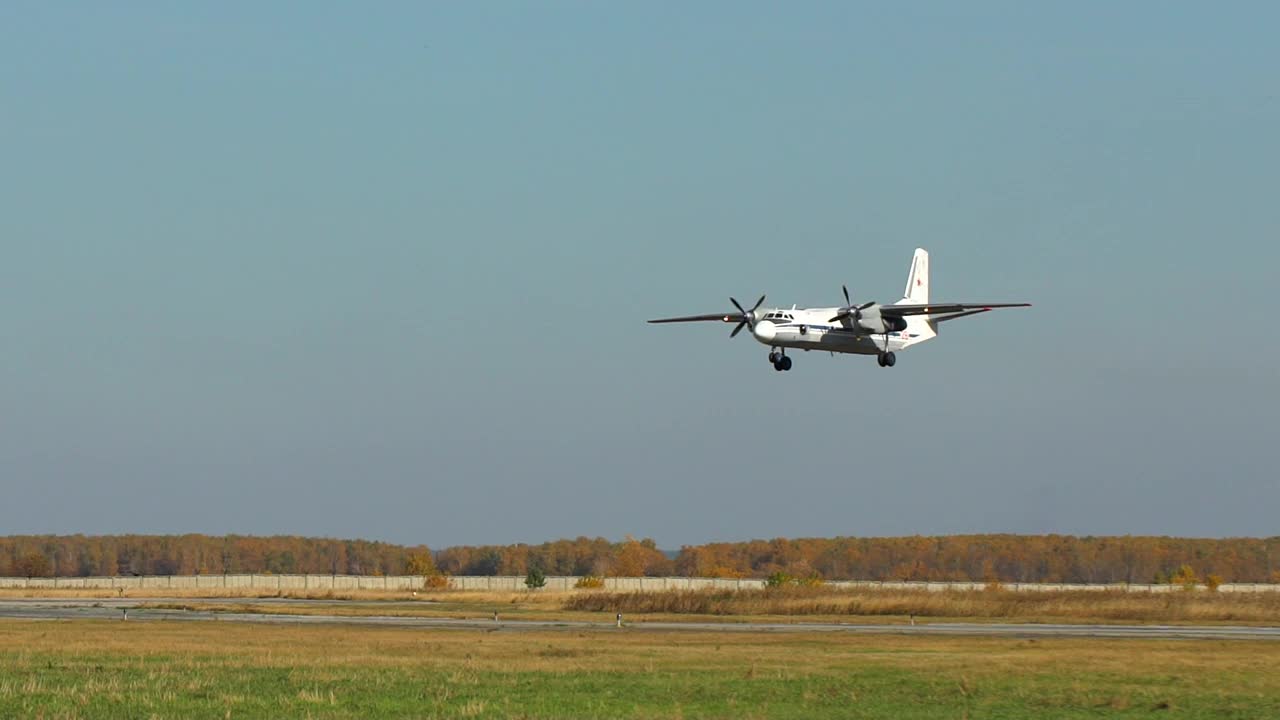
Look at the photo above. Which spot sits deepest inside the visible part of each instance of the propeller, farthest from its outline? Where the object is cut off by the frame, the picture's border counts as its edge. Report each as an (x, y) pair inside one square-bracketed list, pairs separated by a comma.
[(746, 319), (850, 310)]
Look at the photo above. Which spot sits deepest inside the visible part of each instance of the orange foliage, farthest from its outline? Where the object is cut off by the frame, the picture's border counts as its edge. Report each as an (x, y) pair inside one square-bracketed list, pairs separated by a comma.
[(1003, 558), (106, 555)]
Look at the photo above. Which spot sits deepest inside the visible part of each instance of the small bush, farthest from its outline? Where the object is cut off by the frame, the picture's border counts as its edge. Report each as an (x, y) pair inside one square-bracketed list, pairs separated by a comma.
[(1212, 582), (589, 581), (1186, 577), (436, 582), (778, 580), (535, 579)]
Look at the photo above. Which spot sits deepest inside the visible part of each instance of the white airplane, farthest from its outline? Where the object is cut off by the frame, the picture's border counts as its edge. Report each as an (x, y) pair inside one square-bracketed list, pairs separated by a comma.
[(866, 329)]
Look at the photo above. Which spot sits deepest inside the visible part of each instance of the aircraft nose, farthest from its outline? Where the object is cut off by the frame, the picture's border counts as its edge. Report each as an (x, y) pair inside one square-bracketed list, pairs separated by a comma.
[(765, 331)]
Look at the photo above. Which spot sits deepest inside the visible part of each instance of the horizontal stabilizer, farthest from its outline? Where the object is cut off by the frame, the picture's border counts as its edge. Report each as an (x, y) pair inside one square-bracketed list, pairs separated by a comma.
[(942, 308)]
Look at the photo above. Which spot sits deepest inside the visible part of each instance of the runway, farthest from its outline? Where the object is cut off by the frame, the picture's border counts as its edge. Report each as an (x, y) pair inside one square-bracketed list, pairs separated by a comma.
[(131, 611)]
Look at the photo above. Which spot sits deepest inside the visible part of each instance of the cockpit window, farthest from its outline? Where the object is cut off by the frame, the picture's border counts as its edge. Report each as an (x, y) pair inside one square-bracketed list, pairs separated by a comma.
[(778, 317)]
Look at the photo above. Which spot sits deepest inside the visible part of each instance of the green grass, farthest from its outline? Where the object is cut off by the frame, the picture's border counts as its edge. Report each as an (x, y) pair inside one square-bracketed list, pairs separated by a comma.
[(91, 669)]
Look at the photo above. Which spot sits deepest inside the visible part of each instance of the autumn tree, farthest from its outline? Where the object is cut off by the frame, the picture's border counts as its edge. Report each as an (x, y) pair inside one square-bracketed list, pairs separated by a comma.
[(420, 563), (1006, 558), (33, 564), (1184, 576), (637, 558)]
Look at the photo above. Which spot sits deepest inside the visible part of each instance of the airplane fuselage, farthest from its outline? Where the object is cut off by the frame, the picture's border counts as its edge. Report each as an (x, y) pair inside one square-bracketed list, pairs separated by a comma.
[(812, 329)]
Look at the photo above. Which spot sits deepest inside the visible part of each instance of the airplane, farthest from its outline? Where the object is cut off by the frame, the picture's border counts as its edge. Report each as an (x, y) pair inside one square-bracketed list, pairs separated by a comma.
[(866, 329)]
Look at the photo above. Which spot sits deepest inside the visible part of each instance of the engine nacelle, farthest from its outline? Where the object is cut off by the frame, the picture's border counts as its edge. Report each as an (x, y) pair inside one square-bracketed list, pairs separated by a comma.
[(873, 322)]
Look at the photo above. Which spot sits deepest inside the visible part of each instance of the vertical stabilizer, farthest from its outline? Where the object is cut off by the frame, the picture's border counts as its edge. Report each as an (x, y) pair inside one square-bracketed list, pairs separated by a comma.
[(919, 327), (917, 292)]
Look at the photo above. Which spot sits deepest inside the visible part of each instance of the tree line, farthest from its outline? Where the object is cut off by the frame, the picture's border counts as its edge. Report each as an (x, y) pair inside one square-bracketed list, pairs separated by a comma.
[(1004, 558), (102, 555)]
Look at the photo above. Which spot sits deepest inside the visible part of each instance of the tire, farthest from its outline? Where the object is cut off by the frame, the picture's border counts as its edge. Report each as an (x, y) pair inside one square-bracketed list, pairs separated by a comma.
[(786, 363), (890, 359)]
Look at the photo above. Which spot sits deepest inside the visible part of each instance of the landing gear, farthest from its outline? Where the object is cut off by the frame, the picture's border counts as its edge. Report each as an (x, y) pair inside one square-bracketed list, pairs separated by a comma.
[(780, 361), (887, 359)]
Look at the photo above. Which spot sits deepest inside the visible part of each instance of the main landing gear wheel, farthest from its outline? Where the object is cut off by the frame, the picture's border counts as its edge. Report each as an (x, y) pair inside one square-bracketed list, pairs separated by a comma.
[(887, 359), (781, 362)]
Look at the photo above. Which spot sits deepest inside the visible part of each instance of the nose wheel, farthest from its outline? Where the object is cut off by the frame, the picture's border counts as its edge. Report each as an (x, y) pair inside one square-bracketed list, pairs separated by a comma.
[(780, 361), (887, 359)]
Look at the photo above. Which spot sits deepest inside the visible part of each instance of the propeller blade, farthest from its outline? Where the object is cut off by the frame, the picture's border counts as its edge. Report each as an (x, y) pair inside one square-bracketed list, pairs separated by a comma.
[(849, 309), (747, 317)]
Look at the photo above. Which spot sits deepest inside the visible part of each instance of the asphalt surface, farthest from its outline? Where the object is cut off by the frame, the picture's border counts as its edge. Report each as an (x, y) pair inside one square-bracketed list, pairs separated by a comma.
[(126, 610)]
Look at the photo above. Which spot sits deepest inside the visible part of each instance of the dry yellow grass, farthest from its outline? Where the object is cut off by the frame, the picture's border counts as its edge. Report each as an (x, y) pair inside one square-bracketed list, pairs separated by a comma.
[(337, 647), (799, 603), (1079, 606)]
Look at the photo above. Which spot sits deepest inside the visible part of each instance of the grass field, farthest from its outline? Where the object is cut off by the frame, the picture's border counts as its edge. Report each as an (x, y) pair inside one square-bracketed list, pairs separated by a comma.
[(1039, 606), (92, 669), (796, 604), (1058, 606)]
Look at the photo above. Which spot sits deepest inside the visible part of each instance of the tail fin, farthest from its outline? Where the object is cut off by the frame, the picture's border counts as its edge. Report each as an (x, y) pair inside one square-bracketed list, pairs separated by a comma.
[(917, 292), (919, 327)]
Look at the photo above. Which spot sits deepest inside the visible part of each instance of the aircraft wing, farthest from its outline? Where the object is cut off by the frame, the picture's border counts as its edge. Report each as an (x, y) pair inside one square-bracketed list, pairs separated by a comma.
[(967, 313), (944, 309), (718, 317)]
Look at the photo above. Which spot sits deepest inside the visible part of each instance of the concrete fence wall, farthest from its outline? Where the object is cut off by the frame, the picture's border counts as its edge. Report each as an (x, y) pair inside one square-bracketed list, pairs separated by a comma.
[(509, 582)]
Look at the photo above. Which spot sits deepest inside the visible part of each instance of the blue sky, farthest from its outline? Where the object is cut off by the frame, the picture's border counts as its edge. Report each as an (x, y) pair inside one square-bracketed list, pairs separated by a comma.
[(383, 271)]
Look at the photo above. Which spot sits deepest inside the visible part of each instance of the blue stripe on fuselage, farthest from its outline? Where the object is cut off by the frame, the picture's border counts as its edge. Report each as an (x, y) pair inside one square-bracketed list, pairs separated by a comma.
[(836, 328)]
